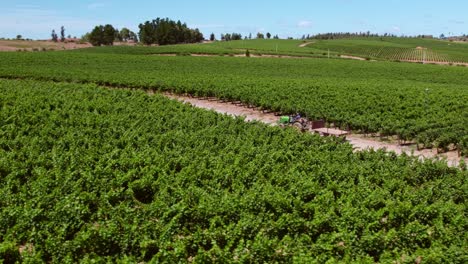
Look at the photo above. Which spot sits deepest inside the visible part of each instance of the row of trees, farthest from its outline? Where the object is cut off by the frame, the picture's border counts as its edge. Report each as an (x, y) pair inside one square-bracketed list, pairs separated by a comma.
[(341, 35), (159, 31), (238, 36), (107, 35), (62, 35), (167, 32)]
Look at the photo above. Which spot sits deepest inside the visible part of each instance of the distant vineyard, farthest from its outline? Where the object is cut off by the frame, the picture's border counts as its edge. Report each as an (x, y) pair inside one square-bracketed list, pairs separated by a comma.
[(416, 50), (405, 54)]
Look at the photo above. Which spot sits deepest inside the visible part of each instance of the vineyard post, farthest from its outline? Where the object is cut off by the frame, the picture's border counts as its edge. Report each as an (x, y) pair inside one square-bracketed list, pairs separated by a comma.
[(424, 56), (426, 99), (328, 53)]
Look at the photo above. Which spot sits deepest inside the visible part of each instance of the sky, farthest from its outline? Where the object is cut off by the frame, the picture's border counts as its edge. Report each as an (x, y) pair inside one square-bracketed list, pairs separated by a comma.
[(293, 18)]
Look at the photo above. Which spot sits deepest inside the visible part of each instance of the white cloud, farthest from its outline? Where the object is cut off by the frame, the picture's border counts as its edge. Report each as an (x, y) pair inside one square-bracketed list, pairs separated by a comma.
[(396, 29), (304, 24)]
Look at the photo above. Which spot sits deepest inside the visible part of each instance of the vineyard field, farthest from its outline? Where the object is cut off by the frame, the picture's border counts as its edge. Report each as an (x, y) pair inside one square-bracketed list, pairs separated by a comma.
[(397, 49), (420, 103), (393, 49), (91, 174)]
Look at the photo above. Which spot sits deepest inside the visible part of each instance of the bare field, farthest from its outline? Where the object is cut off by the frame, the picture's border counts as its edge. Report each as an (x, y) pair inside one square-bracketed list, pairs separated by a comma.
[(15, 45), (30, 45)]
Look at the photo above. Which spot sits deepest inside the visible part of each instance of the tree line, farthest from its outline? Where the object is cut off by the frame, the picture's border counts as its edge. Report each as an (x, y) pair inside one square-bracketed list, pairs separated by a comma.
[(160, 31), (238, 36), (168, 32), (342, 35), (55, 37), (157, 31)]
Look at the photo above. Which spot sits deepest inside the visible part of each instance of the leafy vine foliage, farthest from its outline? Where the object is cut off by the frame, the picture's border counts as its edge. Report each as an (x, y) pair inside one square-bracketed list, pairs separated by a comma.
[(426, 104), (93, 174)]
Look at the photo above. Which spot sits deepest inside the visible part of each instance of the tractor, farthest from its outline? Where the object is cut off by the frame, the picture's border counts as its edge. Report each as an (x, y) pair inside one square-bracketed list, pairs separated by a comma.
[(296, 121)]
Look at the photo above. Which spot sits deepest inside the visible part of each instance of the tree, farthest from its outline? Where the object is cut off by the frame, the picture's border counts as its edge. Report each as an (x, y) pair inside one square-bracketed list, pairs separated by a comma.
[(236, 36), (54, 36), (167, 32), (260, 35), (250, 35), (96, 36), (442, 36), (102, 35), (133, 36), (212, 37), (126, 34), (268, 35), (109, 33), (19, 37), (62, 34), (147, 33), (85, 37)]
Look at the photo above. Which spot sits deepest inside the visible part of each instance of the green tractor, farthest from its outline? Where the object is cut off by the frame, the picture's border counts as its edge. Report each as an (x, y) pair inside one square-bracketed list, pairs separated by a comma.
[(296, 121)]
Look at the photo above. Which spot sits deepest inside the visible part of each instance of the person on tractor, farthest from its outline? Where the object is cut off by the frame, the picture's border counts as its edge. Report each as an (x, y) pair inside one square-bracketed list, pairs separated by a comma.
[(296, 118)]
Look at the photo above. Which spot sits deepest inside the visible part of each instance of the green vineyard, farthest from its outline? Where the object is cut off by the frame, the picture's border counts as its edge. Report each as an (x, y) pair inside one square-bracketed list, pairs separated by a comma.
[(97, 175), (397, 49), (424, 104)]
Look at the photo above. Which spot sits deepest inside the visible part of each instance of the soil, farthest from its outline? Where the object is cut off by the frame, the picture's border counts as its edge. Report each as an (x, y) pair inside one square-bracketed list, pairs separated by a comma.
[(41, 45), (25, 45), (359, 141), (352, 57), (305, 44)]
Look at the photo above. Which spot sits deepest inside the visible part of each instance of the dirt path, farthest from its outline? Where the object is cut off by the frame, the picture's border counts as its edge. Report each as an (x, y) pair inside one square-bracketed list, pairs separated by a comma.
[(305, 44), (352, 57), (439, 63), (358, 141)]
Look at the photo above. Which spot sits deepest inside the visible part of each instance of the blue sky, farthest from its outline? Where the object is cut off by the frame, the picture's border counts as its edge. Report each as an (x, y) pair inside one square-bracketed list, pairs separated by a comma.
[(36, 19)]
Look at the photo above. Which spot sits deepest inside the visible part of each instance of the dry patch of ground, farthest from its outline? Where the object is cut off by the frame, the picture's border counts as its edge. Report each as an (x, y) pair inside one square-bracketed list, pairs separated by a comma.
[(305, 44), (43, 45), (352, 57), (25, 45)]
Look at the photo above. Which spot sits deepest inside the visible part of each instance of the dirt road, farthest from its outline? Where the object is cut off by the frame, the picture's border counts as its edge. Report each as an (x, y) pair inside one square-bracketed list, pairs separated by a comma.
[(305, 44), (358, 141)]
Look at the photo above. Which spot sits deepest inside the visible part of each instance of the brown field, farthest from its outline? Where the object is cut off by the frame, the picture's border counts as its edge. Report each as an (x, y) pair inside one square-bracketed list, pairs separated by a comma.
[(42, 45)]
